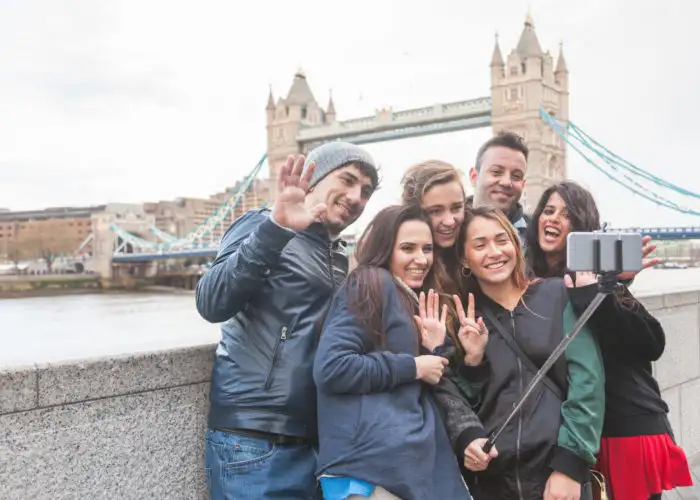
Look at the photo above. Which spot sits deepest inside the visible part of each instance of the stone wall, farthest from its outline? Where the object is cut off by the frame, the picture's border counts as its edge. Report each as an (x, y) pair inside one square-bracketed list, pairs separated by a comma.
[(678, 370), (678, 374), (121, 428), (132, 427)]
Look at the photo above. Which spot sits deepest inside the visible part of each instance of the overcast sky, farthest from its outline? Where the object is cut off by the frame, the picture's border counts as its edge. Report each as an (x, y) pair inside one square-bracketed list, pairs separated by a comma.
[(141, 100)]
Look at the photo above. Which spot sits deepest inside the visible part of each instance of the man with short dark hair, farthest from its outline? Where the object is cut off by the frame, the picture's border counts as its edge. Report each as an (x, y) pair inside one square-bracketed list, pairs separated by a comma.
[(498, 177), (270, 284)]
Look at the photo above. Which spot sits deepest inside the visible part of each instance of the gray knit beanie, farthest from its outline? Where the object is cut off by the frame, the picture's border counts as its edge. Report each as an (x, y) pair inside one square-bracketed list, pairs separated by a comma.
[(333, 155)]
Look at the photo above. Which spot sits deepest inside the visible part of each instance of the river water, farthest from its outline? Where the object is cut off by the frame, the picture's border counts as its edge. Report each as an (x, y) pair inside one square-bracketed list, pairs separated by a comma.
[(50, 329)]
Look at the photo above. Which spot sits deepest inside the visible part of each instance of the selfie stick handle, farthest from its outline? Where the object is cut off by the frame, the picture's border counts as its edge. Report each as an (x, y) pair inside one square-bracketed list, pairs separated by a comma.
[(607, 283)]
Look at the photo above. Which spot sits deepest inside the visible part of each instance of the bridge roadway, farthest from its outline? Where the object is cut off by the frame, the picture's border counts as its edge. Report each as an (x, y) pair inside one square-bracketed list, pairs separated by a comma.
[(663, 233), (143, 257), (657, 233)]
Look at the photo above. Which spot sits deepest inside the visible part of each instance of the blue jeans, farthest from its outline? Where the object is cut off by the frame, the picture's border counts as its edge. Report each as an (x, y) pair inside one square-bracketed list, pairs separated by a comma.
[(245, 467)]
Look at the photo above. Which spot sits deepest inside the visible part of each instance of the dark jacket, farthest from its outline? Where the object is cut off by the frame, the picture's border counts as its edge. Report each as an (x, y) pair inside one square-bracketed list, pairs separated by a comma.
[(270, 287), (453, 395), (548, 434), (518, 218), (377, 423), (630, 339)]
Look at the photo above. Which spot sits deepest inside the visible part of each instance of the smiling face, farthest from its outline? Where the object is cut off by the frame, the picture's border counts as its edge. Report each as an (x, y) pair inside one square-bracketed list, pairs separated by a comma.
[(553, 225), (489, 251), (412, 256), (500, 179), (444, 204), (345, 192)]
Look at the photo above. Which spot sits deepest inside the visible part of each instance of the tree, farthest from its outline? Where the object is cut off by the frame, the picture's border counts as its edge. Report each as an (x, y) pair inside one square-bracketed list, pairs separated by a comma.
[(14, 252)]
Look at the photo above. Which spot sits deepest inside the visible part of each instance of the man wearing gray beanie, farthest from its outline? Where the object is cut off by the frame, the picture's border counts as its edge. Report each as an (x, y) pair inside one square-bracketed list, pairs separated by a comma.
[(270, 286), (329, 170)]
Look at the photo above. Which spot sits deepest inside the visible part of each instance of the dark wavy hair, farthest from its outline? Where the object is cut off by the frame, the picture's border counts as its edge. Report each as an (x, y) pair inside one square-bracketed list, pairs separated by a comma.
[(373, 254), (503, 138), (583, 217)]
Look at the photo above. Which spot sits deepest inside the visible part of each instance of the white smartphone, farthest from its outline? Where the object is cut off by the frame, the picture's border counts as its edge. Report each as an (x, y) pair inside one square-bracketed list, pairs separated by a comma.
[(604, 252)]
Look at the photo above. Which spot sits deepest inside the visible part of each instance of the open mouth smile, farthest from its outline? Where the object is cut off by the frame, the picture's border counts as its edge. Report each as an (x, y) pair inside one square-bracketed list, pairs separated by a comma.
[(551, 234), (495, 265)]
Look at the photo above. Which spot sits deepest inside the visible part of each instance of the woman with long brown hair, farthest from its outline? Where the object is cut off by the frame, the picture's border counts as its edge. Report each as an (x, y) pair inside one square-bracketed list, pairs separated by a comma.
[(380, 434), (638, 457), (509, 330)]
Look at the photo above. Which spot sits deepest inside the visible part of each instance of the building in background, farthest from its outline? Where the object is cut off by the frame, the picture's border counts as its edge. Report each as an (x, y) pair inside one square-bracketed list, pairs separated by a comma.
[(33, 234), (182, 215), (53, 232)]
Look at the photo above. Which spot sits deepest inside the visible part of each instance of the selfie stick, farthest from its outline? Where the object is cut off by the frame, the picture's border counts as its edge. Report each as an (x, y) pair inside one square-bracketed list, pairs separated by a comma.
[(606, 284)]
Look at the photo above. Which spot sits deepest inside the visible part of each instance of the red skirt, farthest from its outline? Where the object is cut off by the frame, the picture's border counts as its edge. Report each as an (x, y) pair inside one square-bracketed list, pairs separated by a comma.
[(640, 466)]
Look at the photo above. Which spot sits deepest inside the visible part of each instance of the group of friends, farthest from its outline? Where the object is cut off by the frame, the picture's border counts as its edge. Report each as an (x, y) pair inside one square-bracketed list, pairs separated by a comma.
[(385, 381)]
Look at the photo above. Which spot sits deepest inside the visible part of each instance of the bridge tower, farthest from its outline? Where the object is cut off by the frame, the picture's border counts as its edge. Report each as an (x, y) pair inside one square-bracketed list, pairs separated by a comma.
[(522, 83), (103, 245), (286, 117)]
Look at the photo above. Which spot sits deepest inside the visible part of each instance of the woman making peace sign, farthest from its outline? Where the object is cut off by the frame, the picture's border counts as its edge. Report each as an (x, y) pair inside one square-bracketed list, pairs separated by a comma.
[(547, 450)]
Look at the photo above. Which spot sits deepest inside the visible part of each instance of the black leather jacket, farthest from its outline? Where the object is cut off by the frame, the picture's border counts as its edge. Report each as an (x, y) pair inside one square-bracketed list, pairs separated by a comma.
[(270, 287)]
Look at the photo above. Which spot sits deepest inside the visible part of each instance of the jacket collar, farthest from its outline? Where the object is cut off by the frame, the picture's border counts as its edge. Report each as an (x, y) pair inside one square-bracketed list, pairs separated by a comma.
[(408, 289), (318, 230), (516, 217)]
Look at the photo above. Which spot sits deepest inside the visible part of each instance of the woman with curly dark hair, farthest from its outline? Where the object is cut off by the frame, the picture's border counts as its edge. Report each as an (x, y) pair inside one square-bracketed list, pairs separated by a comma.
[(638, 456)]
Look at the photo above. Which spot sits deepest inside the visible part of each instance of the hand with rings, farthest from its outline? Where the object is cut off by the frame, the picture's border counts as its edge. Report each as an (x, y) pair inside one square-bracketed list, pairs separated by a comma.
[(473, 334), (474, 457)]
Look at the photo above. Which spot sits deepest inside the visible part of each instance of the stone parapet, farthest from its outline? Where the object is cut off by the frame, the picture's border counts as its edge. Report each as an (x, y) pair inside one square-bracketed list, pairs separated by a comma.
[(128, 427), (132, 427)]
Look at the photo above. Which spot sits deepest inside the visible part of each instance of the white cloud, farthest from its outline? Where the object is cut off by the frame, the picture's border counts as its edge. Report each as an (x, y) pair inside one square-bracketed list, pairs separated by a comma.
[(134, 101)]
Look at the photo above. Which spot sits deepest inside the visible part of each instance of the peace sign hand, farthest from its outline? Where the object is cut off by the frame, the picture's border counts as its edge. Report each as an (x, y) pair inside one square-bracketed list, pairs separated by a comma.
[(290, 208), (473, 334), (431, 326)]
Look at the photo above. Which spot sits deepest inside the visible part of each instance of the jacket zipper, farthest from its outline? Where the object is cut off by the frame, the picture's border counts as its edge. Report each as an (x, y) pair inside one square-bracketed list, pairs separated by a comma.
[(283, 335), (282, 338), (520, 420), (330, 265)]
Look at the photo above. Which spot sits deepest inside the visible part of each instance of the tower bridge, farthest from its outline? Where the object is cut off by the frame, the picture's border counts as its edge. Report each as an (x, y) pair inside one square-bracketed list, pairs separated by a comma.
[(387, 125), (522, 84), (529, 95)]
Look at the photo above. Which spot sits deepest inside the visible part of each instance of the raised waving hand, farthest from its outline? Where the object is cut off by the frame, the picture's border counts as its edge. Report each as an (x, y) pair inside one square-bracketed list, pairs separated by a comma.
[(290, 208), (473, 334), (430, 322)]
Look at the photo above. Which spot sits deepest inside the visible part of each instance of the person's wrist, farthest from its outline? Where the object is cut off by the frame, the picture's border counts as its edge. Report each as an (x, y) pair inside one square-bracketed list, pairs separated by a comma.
[(419, 370), (473, 358)]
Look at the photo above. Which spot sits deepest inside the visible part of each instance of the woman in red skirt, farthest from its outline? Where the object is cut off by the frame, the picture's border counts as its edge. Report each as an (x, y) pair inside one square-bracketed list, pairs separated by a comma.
[(638, 455)]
